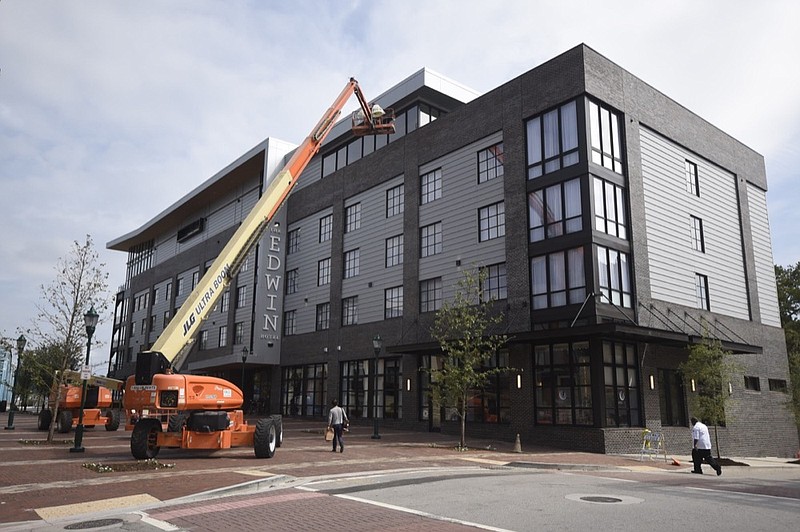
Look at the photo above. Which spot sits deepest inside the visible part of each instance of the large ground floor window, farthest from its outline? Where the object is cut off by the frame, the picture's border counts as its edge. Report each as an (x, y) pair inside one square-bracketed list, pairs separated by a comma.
[(303, 390), (361, 392), (672, 399), (621, 381), (563, 384)]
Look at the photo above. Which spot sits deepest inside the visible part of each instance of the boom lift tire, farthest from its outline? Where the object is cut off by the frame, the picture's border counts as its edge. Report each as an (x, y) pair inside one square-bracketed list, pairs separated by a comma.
[(64, 421), (113, 420), (45, 418), (176, 422), (144, 439), (278, 422), (265, 438)]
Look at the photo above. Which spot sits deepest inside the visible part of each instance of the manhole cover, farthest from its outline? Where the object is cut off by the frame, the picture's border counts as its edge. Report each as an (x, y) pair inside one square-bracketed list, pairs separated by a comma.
[(600, 499), (98, 523), (595, 498)]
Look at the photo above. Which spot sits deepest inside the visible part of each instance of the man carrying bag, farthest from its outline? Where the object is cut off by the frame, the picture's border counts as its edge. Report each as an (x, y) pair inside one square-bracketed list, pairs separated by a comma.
[(337, 419)]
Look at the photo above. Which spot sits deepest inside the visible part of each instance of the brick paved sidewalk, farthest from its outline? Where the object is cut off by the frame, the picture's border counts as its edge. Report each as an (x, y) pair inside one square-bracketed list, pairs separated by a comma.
[(35, 478)]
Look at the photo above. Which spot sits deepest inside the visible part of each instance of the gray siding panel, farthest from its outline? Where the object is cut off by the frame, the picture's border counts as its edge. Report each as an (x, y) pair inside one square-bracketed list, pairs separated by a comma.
[(370, 239), (762, 249), (304, 302), (668, 208), (457, 209)]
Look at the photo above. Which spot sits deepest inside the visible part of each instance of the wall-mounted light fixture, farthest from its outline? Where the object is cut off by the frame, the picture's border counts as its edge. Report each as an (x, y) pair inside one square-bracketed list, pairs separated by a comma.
[(730, 389), (652, 382), (694, 386), (408, 385), (519, 381), (324, 349)]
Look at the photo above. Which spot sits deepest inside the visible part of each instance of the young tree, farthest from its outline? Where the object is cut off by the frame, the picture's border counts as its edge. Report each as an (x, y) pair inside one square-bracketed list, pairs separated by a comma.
[(462, 328), (788, 280), (711, 368), (59, 329)]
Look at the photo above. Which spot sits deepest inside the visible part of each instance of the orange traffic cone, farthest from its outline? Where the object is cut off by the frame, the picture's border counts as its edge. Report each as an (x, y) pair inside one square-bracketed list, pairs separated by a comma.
[(675, 462)]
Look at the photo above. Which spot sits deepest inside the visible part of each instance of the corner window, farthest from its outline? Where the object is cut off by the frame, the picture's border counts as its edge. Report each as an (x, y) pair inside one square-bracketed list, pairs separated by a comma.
[(614, 277), (558, 279), (606, 143), (552, 140), (609, 208), (555, 211)]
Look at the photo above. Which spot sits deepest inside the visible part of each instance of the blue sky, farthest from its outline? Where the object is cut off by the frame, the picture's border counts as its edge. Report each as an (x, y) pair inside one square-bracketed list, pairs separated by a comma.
[(112, 110)]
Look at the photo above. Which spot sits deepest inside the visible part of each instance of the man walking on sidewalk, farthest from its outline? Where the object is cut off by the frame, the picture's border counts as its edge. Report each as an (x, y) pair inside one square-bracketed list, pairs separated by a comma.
[(701, 450)]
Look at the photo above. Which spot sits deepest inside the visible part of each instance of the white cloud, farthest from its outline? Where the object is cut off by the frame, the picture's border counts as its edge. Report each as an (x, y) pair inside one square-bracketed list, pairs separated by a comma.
[(111, 110)]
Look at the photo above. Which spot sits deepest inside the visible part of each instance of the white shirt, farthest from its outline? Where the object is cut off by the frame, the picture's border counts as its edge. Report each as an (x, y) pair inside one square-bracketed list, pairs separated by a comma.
[(336, 416), (700, 433)]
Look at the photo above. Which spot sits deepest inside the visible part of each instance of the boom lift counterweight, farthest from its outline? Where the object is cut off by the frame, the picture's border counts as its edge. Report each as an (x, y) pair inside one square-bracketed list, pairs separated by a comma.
[(202, 412)]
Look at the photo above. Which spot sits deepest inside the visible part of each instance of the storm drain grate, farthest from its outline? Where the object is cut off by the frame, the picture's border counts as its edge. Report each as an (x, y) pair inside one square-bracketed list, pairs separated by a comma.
[(593, 498), (98, 523)]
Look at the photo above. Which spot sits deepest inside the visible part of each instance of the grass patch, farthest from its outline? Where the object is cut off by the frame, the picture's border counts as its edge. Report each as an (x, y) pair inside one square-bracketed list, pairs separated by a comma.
[(139, 465)]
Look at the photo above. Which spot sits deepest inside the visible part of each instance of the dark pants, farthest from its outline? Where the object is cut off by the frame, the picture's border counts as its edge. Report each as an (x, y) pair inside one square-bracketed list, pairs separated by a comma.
[(703, 455), (337, 436)]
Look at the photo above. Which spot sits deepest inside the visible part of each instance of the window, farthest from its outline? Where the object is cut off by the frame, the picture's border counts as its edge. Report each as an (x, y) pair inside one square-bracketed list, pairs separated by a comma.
[(394, 251), (614, 277), (238, 332), (492, 221), (393, 302), (621, 377), (351, 263), (303, 390), (352, 218), (203, 340), (430, 239), (555, 211), (431, 188), (180, 286), (395, 201), (225, 304), (241, 297), (223, 335), (606, 145), (778, 385), (698, 242), (692, 183), (752, 383), (609, 208), (558, 279), (494, 285), (293, 245), (168, 292), (195, 279), (323, 319), (552, 140), (492, 402), (292, 277), (430, 294), (388, 379), (156, 291), (355, 388), (490, 163), (350, 311), (701, 291), (144, 326), (166, 319), (153, 322), (563, 384), (288, 322), (324, 272), (672, 398), (325, 228)]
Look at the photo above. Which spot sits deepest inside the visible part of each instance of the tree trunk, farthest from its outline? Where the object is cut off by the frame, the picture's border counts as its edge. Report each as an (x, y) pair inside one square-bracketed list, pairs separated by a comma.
[(463, 444)]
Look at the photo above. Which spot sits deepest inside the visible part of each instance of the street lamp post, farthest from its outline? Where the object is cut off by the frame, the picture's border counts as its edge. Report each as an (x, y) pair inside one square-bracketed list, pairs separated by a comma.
[(245, 352), (377, 344), (21, 341), (90, 320)]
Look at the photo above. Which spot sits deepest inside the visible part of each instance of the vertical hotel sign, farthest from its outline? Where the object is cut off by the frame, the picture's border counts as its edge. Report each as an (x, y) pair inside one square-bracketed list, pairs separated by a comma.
[(268, 318)]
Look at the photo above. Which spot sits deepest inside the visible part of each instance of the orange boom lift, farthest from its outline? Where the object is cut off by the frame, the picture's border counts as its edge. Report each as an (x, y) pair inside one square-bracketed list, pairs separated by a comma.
[(167, 409)]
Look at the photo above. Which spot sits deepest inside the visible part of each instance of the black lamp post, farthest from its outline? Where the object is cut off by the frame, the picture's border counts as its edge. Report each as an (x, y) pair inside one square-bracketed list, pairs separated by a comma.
[(377, 344), (245, 352), (90, 319), (21, 341)]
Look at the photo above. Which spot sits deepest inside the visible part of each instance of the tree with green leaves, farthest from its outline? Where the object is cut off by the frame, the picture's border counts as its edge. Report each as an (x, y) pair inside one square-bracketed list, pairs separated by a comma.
[(788, 281), (462, 328), (711, 368), (59, 330)]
